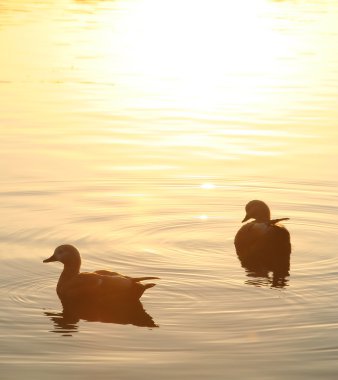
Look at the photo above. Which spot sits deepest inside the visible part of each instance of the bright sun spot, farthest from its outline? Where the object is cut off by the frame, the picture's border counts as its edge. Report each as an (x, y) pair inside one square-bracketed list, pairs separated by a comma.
[(207, 186), (192, 55), (195, 61), (203, 217)]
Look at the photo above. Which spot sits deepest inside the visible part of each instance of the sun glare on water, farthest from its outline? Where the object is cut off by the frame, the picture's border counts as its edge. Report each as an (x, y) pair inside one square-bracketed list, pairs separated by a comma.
[(218, 80), (209, 54)]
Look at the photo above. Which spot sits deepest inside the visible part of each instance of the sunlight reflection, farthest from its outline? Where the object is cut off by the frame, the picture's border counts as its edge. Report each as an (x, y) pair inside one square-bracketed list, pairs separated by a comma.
[(122, 83), (203, 217), (194, 55), (208, 186)]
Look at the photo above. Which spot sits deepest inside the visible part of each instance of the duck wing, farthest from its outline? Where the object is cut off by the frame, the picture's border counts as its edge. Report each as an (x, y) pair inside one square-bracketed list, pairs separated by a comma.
[(107, 273), (262, 239), (134, 279), (96, 287), (82, 286)]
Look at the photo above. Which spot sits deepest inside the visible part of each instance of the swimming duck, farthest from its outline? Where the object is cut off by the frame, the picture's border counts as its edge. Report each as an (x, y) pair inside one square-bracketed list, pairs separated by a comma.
[(263, 240), (101, 286)]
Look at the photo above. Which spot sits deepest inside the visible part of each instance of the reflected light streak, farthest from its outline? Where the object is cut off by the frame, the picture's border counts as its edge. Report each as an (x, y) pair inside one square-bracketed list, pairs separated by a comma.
[(217, 81), (207, 186), (207, 55), (203, 217)]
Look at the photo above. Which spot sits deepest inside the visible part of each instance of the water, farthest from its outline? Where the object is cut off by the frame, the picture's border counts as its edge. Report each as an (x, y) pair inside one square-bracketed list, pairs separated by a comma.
[(137, 130)]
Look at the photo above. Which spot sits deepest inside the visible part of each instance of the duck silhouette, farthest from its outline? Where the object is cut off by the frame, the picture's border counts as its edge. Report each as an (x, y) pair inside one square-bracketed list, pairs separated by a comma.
[(263, 244), (99, 288)]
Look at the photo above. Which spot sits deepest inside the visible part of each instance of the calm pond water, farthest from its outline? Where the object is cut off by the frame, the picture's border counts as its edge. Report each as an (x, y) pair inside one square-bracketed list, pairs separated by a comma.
[(137, 130)]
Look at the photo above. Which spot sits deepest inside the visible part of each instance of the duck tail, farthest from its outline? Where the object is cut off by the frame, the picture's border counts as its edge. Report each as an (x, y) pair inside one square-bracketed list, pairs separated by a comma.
[(275, 221), (138, 279), (141, 288), (147, 286)]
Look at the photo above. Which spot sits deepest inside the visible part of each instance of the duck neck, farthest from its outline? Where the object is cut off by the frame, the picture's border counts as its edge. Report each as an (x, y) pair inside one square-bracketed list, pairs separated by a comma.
[(263, 220), (262, 213), (263, 217), (69, 271)]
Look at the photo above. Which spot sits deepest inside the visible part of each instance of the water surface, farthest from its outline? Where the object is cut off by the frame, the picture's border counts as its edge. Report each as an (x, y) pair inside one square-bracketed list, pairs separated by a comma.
[(137, 130)]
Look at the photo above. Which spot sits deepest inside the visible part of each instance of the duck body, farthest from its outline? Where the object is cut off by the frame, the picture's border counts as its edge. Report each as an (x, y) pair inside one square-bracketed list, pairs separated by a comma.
[(101, 287), (263, 241)]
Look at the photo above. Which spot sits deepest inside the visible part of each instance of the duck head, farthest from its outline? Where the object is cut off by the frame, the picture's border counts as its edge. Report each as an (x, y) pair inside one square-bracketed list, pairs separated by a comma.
[(257, 210), (66, 254)]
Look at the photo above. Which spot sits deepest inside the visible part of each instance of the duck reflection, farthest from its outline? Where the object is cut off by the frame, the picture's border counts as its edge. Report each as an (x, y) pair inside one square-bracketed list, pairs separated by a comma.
[(261, 273), (263, 247), (124, 313)]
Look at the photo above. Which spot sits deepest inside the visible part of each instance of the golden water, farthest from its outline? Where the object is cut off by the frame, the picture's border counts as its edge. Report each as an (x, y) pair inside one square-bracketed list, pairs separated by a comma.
[(137, 130)]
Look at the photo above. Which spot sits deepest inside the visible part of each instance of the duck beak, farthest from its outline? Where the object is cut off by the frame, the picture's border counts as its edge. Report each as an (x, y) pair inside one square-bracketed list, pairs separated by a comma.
[(247, 217), (50, 259)]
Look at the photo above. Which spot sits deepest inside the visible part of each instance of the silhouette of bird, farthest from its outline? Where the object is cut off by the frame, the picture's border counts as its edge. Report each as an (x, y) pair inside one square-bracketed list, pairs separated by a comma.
[(263, 242), (101, 287)]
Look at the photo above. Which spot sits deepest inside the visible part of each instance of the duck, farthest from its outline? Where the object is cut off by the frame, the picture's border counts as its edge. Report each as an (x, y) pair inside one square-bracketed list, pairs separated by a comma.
[(263, 241), (101, 286)]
